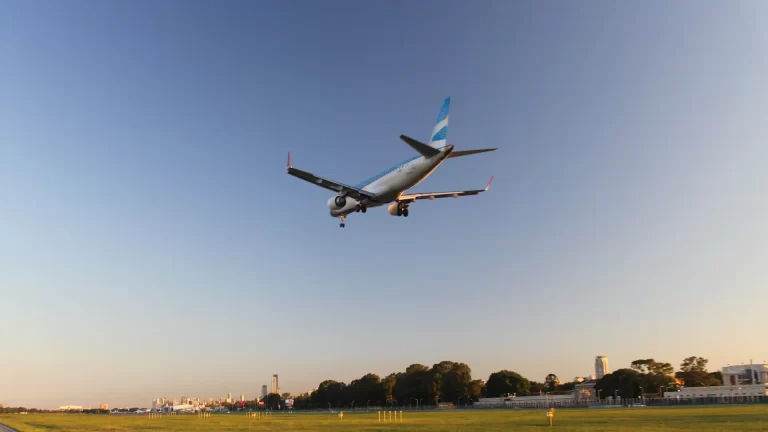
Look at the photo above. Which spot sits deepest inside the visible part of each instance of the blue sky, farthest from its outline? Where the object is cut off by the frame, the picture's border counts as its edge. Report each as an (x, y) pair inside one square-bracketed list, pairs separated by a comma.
[(151, 243)]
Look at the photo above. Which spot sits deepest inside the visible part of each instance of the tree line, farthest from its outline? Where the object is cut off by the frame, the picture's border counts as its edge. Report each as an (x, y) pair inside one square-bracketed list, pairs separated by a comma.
[(450, 381), (647, 376)]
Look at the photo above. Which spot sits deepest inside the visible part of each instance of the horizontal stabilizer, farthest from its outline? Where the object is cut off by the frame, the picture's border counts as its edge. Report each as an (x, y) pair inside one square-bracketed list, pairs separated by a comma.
[(420, 147), (468, 152)]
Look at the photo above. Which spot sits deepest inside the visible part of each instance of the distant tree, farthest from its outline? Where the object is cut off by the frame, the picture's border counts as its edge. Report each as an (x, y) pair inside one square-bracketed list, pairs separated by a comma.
[(476, 389), (452, 379), (694, 364), (536, 387), (622, 382), (367, 388), (330, 392), (286, 395), (273, 401), (506, 382), (551, 382), (716, 377), (388, 385), (653, 375), (651, 366), (693, 373), (418, 382)]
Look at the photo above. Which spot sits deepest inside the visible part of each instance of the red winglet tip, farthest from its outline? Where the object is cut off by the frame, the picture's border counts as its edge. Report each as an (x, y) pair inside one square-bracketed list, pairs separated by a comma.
[(289, 159), (489, 183)]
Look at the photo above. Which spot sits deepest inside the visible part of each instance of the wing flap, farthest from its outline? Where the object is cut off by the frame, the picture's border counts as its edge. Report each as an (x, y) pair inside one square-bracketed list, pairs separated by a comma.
[(435, 195), (341, 188)]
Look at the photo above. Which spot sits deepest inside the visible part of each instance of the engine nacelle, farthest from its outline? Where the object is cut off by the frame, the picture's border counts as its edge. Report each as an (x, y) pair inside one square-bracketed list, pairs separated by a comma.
[(340, 204), (394, 209)]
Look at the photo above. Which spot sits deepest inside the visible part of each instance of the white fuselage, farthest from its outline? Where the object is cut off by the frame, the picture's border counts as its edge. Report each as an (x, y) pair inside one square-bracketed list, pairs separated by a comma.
[(390, 184)]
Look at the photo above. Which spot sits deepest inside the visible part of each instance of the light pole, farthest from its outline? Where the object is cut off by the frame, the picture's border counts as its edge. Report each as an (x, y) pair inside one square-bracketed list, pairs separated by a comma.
[(598, 394), (641, 395), (353, 406)]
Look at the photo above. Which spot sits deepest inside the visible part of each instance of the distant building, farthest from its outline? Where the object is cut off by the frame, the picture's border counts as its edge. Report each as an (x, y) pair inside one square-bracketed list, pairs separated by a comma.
[(178, 408), (70, 408), (242, 398), (102, 406), (527, 401), (184, 400), (747, 392), (264, 391), (601, 366), (275, 388), (745, 374)]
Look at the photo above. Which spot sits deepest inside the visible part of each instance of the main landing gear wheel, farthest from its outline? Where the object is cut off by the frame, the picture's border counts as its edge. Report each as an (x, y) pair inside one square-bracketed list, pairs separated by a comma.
[(364, 209), (405, 213)]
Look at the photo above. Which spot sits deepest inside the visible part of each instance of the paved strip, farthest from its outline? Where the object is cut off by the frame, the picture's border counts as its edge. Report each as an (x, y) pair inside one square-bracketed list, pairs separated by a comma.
[(4, 428)]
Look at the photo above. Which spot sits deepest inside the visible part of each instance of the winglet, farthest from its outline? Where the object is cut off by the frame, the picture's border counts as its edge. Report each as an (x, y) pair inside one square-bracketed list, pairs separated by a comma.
[(489, 183), (289, 160)]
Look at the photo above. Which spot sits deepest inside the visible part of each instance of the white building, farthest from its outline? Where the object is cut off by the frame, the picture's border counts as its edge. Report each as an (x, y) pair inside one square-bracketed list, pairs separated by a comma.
[(526, 401), (275, 388), (242, 398), (601, 366), (719, 392), (70, 408), (178, 408), (745, 374)]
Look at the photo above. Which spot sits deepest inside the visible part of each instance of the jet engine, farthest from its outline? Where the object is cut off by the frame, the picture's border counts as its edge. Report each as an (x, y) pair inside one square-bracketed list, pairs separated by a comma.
[(394, 209), (340, 204)]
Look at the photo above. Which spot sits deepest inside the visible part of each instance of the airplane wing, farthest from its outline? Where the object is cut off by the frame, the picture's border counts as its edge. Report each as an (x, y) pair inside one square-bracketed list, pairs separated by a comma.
[(343, 189), (433, 195)]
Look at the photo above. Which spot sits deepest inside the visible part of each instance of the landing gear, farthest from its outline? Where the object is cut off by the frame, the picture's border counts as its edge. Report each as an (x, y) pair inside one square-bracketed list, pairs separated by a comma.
[(402, 209), (360, 208), (342, 224), (364, 209)]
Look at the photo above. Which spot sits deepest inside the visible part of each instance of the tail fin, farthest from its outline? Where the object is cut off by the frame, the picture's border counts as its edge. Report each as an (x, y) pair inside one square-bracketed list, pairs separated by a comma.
[(440, 131)]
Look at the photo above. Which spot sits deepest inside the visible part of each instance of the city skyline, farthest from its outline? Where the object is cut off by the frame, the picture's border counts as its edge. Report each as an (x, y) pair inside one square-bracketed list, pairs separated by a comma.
[(152, 242)]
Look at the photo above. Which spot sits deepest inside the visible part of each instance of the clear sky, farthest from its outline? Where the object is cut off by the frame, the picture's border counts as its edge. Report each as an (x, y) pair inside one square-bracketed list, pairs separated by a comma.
[(151, 243)]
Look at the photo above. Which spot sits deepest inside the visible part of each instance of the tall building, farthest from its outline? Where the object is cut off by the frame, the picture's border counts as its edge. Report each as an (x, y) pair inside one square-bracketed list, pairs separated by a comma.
[(601, 366), (242, 398), (264, 391), (275, 388)]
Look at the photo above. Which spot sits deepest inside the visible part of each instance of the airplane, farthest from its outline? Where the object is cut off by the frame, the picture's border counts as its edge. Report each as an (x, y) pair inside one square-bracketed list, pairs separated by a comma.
[(389, 186)]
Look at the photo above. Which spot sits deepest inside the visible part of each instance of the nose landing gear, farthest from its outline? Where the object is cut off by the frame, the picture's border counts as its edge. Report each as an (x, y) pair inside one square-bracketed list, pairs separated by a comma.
[(343, 218)]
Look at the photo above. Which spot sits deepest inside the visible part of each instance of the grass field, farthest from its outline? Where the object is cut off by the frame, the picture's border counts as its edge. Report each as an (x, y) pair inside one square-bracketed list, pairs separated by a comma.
[(719, 418)]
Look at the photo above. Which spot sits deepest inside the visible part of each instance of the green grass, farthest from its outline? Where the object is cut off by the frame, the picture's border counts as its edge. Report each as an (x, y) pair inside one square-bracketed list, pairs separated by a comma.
[(717, 418)]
